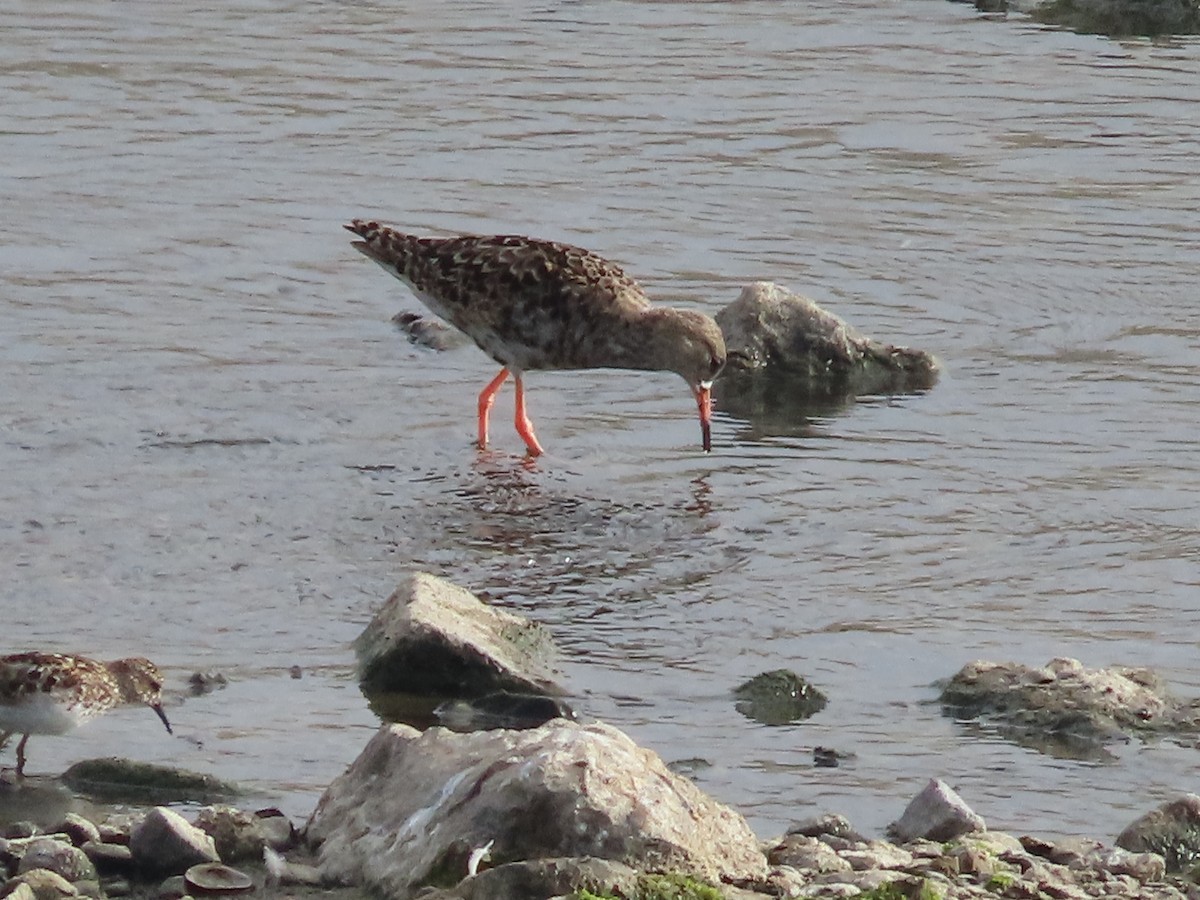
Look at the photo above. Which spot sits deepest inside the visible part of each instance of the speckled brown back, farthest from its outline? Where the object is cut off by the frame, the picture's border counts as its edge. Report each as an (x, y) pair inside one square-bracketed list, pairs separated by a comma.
[(77, 679), (530, 304)]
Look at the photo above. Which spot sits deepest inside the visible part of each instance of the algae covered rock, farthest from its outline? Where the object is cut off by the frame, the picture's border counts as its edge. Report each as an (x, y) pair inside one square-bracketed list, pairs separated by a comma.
[(779, 697), (115, 779), (769, 329), (1120, 18), (1063, 708)]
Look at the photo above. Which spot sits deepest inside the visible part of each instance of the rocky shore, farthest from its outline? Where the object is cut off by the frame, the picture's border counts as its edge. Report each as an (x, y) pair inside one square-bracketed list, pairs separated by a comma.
[(521, 801), (364, 840)]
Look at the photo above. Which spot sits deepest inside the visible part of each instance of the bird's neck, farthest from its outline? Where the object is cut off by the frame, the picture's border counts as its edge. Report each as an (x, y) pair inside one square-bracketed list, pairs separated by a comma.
[(636, 341)]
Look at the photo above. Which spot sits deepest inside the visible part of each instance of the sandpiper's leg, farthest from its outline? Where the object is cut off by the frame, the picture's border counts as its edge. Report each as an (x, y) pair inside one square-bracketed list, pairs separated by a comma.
[(486, 398), (21, 755), (524, 426), (704, 402)]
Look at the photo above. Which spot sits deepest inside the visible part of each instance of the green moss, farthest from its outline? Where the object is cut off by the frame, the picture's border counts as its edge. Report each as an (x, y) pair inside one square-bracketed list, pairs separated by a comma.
[(1000, 881), (902, 890), (659, 887)]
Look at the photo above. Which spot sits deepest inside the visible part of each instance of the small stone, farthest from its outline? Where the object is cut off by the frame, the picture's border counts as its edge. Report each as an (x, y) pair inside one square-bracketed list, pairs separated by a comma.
[(237, 834), (877, 855), (116, 830), (19, 829), (1114, 860), (109, 857), (47, 885), (173, 888), (217, 878), (117, 887), (78, 829), (165, 843), (21, 892), (827, 824), (803, 852), (89, 888), (58, 857), (974, 861), (868, 880)]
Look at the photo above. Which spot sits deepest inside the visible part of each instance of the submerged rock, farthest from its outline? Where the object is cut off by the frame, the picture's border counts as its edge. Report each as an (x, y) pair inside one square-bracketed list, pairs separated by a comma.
[(115, 779), (769, 330), (430, 332), (779, 697), (433, 637), (1113, 18), (1064, 702), (412, 808)]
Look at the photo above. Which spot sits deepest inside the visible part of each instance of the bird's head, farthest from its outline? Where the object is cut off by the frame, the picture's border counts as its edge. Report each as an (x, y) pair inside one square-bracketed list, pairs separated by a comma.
[(691, 344), (139, 681)]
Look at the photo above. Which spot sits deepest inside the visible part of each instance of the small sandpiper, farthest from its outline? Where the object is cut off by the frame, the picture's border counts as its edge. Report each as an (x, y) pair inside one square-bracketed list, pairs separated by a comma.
[(532, 304), (52, 693)]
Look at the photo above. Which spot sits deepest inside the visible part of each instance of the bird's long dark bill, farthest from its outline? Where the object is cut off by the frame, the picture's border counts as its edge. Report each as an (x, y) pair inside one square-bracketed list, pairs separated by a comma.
[(704, 401), (162, 715)]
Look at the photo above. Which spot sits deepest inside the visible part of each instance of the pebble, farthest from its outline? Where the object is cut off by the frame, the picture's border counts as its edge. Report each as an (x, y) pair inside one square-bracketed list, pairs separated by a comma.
[(59, 857), (166, 843)]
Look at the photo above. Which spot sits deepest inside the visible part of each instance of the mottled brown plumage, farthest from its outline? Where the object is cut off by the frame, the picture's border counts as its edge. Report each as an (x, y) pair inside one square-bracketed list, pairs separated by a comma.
[(52, 693), (532, 304)]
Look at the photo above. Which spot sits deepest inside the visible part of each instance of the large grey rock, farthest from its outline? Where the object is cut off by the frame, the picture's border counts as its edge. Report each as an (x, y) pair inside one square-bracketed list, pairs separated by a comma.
[(1172, 831), (770, 329), (1064, 708), (412, 808), (433, 637), (937, 813), (165, 843)]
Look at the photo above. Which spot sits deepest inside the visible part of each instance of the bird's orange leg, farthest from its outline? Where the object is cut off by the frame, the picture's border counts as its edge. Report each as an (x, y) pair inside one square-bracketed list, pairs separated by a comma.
[(524, 426), (486, 398)]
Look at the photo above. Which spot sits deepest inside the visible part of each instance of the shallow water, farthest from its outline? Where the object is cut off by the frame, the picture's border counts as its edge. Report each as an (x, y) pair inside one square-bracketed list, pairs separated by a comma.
[(217, 452)]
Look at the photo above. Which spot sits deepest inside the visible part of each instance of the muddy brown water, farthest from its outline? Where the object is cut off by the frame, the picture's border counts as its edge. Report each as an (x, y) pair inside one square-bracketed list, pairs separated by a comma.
[(216, 450)]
